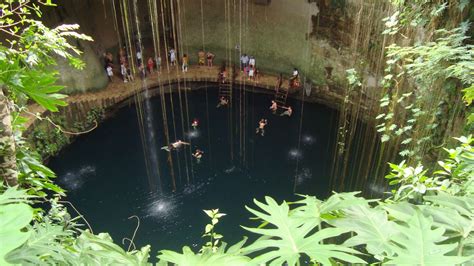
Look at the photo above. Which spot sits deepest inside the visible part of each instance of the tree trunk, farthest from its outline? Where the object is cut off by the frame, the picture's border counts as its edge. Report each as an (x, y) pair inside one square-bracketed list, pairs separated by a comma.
[(8, 167)]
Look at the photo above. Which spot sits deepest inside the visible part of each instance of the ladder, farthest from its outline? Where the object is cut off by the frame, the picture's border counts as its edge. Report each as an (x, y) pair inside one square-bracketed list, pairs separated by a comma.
[(225, 90), (280, 96)]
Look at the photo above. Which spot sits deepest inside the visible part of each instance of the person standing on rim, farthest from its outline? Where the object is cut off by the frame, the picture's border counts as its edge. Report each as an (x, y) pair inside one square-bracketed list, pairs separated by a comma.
[(201, 58), (173, 57), (185, 63), (210, 59)]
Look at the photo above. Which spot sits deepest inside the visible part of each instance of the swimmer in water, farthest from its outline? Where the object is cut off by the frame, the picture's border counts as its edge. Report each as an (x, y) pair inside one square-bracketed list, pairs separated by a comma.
[(274, 107), (261, 127), (175, 146), (195, 123), (288, 111), (198, 155), (223, 101)]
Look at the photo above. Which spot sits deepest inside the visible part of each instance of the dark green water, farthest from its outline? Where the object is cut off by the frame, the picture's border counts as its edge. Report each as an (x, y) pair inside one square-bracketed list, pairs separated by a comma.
[(105, 172)]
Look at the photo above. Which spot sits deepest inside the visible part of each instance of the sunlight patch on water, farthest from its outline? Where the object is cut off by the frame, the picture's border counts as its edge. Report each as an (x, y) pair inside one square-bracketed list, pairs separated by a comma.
[(193, 134), (230, 170), (295, 154), (162, 208), (308, 139), (74, 180), (303, 176)]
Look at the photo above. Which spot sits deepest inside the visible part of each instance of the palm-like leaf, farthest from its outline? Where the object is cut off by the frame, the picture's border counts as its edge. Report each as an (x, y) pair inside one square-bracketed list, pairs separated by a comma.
[(372, 227), (418, 244), (232, 257), (292, 237)]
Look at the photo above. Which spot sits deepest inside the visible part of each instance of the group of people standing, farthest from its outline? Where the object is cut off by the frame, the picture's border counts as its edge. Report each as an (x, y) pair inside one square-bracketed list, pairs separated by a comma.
[(152, 64), (248, 66)]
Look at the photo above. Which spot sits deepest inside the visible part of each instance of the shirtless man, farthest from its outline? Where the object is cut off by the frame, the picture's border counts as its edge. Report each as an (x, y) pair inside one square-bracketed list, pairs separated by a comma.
[(210, 58), (288, 111), (198, 155), (223, 101), (274, 107), (261, 127), (175, 146)]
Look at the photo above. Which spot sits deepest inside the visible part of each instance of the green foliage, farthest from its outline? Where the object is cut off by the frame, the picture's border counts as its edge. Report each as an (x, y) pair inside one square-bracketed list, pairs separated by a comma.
[(15, 214), (388, 232), (94, 115), (30, 238), (456, 175), (48, 141), (290, 237), (428, 220), (435, 69), (212, 253), (417, 243), (231, 256), (373, 229), (214, 237)]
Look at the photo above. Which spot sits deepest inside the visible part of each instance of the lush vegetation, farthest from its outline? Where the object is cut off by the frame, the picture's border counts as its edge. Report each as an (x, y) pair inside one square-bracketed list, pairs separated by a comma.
[(427, 219), (48, 137)]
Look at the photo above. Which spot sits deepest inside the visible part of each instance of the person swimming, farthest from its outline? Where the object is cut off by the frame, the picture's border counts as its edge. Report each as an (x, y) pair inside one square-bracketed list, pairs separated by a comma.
[(261, 127), (198, 155), (274, 107), (288, 111), (195, 123), (223, 101), (175, 146)]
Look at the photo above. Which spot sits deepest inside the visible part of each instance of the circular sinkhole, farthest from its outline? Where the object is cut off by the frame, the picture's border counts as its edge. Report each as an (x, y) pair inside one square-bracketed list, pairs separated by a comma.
[(106, 174)]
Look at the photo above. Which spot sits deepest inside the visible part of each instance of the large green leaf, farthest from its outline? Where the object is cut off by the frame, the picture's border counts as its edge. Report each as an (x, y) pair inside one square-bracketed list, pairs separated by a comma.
[(101, 250), (230, 257), (372, 227), (341, 201), (14, 195), (309, 210), (419, 243), (13, 218), (45, 246), (464, 205), (290, 237)]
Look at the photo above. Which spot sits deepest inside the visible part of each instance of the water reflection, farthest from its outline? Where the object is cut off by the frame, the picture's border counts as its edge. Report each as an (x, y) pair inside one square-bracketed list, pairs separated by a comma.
[(303, 176), (308, 140), (75, 179), (295, 154), (193, 134)]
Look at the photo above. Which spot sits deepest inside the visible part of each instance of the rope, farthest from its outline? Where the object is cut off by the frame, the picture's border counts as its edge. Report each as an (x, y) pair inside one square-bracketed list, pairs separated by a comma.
[(173, 26), (134, 232), (114, 13), (183, 123), (139, 104), (305, 55), (58, 126), (80, 215), (206, 90)]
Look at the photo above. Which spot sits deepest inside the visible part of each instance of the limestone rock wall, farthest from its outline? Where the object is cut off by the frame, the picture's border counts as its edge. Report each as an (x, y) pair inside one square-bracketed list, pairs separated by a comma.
[(96, 21), (322, 38)]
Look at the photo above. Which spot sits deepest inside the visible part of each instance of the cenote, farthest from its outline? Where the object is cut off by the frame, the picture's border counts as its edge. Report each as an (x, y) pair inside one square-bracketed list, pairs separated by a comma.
[(127, 127), (106, 177)]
